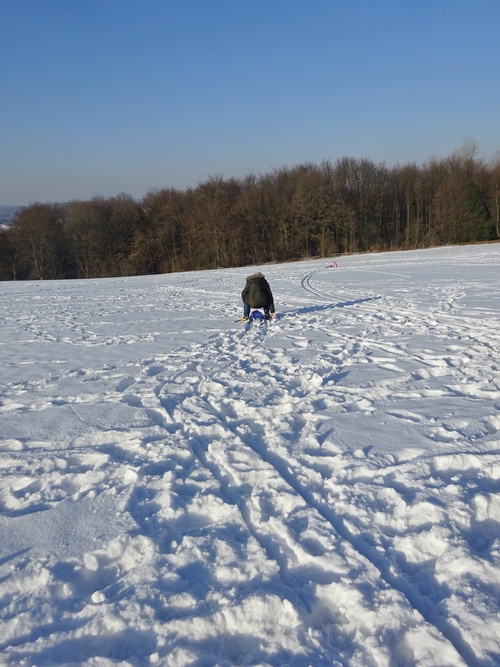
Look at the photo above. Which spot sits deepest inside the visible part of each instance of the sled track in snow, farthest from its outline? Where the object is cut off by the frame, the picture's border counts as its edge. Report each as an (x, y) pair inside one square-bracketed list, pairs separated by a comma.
[(327, 298), (306, 284)]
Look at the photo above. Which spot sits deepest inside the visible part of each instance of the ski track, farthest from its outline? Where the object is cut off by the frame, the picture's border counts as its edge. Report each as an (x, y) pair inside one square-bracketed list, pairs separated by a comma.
[(255, 481)]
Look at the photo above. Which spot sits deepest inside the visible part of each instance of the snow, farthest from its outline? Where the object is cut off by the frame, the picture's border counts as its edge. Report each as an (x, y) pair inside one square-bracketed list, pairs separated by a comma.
[(178, 488)]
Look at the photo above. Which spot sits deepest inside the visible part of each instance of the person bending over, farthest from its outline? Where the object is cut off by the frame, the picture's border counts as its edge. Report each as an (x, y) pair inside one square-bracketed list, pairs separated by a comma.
[(257, 294)]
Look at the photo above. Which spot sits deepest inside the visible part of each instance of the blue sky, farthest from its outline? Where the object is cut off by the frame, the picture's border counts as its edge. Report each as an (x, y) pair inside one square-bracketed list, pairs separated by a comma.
[(110, 96)]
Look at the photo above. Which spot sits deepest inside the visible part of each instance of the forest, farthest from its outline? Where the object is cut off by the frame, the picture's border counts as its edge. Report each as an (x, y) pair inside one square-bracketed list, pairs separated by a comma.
[(309, 210)]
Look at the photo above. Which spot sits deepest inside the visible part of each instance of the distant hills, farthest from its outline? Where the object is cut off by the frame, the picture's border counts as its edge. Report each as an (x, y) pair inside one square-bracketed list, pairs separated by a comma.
[(7, 213)]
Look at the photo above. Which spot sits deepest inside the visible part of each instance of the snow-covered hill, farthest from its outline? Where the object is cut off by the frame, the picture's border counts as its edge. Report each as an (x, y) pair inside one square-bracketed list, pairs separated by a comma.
[(178, 488), (6, 215)]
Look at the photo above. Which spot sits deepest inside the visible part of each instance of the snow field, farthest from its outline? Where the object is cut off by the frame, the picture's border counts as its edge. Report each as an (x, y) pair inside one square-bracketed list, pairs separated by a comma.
[(180, 489)]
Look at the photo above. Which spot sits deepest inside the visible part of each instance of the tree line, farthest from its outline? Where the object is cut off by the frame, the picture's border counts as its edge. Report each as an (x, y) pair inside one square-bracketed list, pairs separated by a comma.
[(310, 210)]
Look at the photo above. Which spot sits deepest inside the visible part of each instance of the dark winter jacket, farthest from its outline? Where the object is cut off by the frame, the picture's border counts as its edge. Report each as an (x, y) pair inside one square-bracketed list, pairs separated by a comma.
[(257, 292)]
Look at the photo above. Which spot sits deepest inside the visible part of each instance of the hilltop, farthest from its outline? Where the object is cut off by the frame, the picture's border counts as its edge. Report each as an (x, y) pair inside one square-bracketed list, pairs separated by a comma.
[(7, 213)]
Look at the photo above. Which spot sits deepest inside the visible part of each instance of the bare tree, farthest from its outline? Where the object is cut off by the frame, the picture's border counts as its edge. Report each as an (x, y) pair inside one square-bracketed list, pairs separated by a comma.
[(36, 235)]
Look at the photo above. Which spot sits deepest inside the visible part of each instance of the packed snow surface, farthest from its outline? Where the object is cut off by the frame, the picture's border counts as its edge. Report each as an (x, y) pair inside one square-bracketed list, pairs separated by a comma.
[(178, 488)]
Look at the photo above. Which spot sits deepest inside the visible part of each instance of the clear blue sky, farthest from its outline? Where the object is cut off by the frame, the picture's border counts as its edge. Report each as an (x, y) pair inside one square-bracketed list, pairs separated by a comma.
[(110, 96)]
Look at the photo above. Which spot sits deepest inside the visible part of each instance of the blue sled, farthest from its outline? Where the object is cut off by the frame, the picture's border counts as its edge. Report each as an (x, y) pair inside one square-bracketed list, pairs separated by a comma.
[(256, 315)]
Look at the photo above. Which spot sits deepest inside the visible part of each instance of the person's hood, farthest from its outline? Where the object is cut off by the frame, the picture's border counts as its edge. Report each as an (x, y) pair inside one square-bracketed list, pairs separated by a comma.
[(255, 276)]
